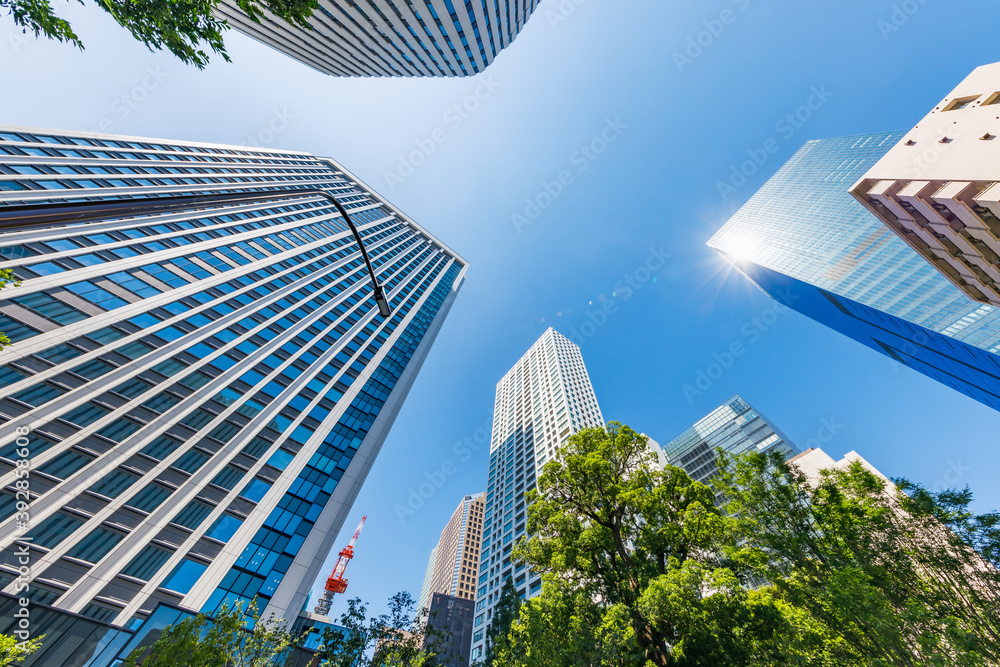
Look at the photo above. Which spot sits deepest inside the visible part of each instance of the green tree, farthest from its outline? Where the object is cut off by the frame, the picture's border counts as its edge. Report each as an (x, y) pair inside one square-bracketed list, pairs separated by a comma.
[(180, 26), (629, 550), (504, 614), (220, 642), (564, 627), (890, 577), (395, 639), (14, 650), (6, 279)]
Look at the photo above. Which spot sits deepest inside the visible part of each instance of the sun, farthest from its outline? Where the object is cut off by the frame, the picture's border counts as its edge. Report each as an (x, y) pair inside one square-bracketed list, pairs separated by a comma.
[(742, 247)]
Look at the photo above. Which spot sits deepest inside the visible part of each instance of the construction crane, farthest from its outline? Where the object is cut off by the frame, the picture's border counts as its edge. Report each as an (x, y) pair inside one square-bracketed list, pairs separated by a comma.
[(336, 584)]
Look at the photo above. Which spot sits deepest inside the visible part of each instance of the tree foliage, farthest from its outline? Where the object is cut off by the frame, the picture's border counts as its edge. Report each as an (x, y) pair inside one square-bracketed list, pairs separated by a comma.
[(14, 650), (640, 568), (183, 27), (6, 279), (394, 639), (223, 641), (892, 572), (634, 545), (504, 613)]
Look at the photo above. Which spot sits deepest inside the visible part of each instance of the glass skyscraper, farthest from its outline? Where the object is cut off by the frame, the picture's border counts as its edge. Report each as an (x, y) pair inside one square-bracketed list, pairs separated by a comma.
[(198, 395), (734, 427), (806, 242), (545, 398), (392, 38)]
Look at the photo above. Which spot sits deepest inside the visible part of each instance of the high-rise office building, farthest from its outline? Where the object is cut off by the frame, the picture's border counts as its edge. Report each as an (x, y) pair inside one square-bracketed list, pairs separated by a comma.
[(454, 563), (540, 402), (199, 394), (734, 427), (385, 38), (806, 242), (938, 189)]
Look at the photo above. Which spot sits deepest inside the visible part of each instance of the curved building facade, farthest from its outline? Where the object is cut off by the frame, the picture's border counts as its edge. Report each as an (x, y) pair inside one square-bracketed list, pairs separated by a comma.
[(392, 37)]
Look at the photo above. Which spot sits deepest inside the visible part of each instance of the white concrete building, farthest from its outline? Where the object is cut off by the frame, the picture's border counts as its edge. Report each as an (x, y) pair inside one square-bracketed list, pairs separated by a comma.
[(392, 38), (939, 188), (813, 460), (540, 402)]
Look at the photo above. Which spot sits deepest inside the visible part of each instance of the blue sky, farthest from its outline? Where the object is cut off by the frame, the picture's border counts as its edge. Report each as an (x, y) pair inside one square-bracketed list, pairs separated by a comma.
[(677, 124)]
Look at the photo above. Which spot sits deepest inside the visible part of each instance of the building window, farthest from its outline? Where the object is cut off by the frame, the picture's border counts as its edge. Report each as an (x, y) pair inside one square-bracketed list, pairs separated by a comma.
[(184, 576), (145, 565), (192, 515), (55, 529), (149, 498), (95, 546), (961, 103)]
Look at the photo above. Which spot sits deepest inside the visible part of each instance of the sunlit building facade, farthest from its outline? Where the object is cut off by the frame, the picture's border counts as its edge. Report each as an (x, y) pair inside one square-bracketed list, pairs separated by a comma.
[(806, 242), (201, 393), (387, 38), (544, 399), (938, 188)]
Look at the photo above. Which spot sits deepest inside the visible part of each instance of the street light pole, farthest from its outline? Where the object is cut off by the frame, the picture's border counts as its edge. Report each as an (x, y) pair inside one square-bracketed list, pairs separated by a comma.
[(20, 217)]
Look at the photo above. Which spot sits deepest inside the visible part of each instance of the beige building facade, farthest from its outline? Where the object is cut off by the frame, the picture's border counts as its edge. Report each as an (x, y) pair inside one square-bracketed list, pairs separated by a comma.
[(938, 188), (455, 560)]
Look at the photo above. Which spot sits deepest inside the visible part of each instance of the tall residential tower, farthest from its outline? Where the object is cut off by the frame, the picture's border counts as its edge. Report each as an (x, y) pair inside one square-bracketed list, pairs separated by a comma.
[(540, 402), (387, 38), (200, 393)]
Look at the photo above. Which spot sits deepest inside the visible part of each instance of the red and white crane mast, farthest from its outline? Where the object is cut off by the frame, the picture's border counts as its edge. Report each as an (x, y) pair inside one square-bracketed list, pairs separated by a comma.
[(336, 583)]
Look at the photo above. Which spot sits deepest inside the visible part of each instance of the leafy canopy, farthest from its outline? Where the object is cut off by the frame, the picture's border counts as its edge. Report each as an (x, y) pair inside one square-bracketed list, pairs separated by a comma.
[(220, 642), (14, 650), (629, 550), (506, 611), (394, 639), (182, 27), (641, 569), (897, 574), (6, 279)]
